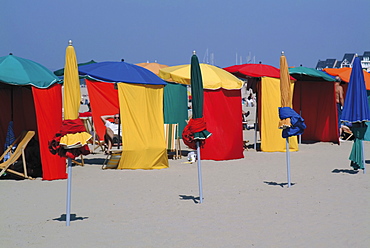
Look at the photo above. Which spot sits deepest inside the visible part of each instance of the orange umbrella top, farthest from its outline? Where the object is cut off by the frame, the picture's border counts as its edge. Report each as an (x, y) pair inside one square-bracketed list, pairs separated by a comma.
[(345, 74), (153, 67)]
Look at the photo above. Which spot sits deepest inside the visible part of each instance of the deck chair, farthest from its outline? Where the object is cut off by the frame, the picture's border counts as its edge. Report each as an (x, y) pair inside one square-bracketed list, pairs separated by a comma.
[(172, 138), (347, 134), (96, 142), (112, 160), (23, 140)]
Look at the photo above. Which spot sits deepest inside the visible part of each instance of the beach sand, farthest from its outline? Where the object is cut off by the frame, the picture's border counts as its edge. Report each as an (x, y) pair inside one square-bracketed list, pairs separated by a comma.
[(246, 204)]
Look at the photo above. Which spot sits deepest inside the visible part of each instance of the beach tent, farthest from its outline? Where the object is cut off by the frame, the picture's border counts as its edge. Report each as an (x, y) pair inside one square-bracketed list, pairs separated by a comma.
[(175, 105), (31, 97), (221, 109), (267, 84), (137, 94), (314, 100)]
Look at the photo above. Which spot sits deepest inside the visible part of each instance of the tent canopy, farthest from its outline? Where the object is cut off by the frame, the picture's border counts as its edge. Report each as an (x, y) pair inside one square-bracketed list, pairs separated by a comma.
[(60, 72), (120, 72), (213, 77), (19, 71), (309, 74)]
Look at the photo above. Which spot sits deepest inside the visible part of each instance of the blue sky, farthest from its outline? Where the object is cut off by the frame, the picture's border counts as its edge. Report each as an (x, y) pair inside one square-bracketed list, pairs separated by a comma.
[(223, 33)]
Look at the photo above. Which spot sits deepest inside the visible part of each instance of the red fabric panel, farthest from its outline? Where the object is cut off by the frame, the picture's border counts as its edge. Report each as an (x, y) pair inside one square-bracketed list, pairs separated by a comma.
[(315, 102), (18, 100), (223, 115), (103, 101), (5, 116), (24, 115), (48, 105)]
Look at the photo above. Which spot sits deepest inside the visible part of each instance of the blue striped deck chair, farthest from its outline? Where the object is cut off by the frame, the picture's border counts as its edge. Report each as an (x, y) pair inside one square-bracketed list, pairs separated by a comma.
[(172, 138)]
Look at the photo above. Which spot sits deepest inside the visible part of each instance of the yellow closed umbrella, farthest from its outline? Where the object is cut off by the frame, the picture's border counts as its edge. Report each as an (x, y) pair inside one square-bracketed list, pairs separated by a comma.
[(213, 77), (72, 92), (71, 102), (286, 99)]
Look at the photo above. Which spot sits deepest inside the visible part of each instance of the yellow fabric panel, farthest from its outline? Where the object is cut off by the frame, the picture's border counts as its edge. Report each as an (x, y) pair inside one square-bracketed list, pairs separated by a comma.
[(71, 92), (141, 108), (271, 138)]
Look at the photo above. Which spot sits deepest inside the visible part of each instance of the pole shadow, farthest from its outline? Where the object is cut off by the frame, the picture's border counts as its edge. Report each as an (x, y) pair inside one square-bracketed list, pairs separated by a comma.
[(196, 200), (63, 217), (348, 171), (278, 184)]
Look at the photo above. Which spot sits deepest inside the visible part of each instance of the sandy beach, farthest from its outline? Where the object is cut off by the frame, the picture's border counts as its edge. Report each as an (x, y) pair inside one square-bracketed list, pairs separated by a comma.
[(246, 204)]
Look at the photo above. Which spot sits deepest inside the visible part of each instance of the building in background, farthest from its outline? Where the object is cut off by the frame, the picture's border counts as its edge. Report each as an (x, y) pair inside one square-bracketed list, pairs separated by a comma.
[(347, 61)]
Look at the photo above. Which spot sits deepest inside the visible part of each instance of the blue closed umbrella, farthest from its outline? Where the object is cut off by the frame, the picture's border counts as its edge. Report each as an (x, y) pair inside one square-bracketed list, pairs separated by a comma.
[(356, 111), (120, 72)]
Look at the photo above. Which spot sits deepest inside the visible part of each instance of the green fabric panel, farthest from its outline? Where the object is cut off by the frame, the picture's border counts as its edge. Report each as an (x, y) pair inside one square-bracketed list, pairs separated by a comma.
[(356, 153), (176, 105)]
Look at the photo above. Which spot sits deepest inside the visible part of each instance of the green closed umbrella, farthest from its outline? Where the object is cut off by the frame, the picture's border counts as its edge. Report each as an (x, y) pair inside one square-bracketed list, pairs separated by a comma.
[(197, 95), (19, 71), (197, 108)]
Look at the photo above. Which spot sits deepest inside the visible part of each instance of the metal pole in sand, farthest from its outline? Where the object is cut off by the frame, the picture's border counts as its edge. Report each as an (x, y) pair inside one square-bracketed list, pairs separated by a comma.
[(363, 156), (199, 173), (288, 161), (69, 183)]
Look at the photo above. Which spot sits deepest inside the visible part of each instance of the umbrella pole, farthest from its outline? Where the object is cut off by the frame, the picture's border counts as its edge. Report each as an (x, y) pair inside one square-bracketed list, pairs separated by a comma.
[(363, 156), (288, 161), (199, 174), (68, 211)]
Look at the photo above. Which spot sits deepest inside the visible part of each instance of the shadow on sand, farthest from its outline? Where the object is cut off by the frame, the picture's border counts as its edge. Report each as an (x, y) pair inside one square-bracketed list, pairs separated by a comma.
[(73, 218), (348, 171), (278, 184), (190, 197)]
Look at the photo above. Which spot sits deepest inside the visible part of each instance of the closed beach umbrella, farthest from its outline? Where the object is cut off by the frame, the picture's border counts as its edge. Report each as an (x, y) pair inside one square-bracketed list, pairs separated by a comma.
[(286, 99), (356, 111), (72, 95), (196, 130), (72, 92)]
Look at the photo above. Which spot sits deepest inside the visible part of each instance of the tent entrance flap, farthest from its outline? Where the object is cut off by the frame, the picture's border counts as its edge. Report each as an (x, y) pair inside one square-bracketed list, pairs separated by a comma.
[(271, 137), (141, 108)]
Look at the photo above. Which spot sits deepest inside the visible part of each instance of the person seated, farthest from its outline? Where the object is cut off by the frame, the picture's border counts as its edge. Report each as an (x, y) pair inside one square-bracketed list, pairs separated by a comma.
[(111, 135)]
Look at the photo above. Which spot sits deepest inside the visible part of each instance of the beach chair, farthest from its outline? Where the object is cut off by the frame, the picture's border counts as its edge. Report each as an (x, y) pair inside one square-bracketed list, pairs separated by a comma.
[(96, 142), (171, 134), (23, 140), (112, 160), (347, 134)]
